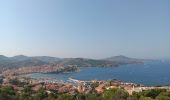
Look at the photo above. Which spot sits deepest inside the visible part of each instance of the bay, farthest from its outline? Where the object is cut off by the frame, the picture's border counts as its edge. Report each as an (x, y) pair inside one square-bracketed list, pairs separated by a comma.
[(149, 73)]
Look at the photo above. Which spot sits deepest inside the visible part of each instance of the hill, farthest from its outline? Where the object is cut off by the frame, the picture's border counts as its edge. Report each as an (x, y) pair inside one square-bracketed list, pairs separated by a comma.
[(124, 59), (25, 61), (83, 62)]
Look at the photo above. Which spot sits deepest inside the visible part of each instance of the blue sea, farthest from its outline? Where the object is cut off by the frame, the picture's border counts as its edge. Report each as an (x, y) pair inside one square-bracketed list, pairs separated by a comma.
[(149, 73)]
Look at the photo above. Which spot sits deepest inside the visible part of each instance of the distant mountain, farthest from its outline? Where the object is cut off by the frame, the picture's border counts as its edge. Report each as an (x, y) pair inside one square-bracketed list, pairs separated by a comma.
[(124, 59), (47, 59), (3, 57), (25, 61), (19, 58), (82, 62)]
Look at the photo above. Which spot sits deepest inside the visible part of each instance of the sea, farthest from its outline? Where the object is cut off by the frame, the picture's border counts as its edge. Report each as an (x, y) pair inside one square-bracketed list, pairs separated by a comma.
[(152, 73)]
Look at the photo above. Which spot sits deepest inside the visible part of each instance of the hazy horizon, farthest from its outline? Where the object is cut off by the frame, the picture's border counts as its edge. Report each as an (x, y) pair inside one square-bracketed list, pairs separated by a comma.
[(88, 29), (61, 57)]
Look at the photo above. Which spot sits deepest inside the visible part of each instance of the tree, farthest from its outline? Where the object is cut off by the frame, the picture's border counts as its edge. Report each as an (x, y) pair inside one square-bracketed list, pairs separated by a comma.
[(167, 93), (26, 93), (152, 93), (136, 95), (51, 96), (93, 87), (41, 94), (17, 82), (64, 97), (132, 98), (79, 96), (162, 98), (145, 98), (93, 96), (115, 94), (6, 93)]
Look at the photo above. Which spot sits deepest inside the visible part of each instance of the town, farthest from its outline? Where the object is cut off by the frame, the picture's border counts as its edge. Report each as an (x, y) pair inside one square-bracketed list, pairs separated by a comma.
[(72, 86)]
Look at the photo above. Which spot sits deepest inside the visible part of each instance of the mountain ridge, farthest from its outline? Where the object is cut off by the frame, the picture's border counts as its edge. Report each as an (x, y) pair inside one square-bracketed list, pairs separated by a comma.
[(124, 59), (26, 61)]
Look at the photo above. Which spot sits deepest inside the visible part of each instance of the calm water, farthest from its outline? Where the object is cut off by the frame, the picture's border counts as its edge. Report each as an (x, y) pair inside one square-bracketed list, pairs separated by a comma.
[(150, 73)]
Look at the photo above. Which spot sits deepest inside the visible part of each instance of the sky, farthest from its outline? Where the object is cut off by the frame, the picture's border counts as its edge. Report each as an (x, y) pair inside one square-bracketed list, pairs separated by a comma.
[(85, 28)]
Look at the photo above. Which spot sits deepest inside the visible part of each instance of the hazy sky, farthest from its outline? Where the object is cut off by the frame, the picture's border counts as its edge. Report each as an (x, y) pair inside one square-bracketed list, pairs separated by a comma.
[(85, 28)]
